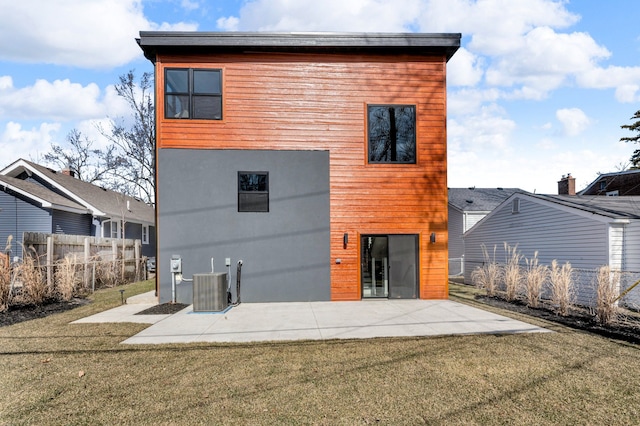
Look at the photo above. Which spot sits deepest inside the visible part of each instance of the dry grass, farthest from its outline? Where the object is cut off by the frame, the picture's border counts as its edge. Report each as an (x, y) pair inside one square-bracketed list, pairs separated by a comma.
[(61, 373), (561, 285), (29, 272), (66, 278), (487, 276), (512, 273), (607, 290), (535, 277), (5, 278)]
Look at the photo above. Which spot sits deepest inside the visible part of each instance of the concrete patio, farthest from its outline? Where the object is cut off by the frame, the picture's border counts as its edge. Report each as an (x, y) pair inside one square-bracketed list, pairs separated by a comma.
[(254, 322)]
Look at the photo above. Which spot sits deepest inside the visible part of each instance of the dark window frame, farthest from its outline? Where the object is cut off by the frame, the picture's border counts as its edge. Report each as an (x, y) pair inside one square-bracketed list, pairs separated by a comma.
[(248, 199), (390, 155), (192, 96)]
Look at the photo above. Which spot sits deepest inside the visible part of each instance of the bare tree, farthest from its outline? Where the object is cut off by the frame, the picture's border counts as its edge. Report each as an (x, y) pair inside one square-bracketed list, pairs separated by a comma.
[(127, 165), (133, 161), (86, 163)]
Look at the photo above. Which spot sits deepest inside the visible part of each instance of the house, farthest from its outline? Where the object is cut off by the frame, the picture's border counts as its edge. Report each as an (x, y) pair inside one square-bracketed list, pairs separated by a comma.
[(318, 159), (617, 183), (466, 207), (586, 231), (35, 198)]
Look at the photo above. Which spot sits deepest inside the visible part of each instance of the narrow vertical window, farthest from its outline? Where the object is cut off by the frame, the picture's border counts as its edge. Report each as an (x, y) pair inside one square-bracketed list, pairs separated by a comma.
[(392, 133), (515, 205), (145, 234), (253, 192)]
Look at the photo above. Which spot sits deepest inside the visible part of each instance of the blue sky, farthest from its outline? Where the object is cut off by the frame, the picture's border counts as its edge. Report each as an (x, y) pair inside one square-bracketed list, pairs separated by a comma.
[(539, 88)]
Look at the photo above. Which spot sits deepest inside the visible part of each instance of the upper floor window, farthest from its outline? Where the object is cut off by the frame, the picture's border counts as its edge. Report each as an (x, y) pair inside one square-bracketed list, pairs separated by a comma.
[(193, 93), (392, 133)]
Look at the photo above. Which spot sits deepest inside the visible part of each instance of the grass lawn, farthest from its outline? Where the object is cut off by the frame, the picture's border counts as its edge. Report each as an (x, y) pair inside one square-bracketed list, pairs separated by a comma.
[(53, 372)]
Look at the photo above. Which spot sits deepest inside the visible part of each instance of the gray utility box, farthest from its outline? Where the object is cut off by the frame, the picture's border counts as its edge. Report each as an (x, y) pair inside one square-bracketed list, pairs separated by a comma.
[(210, 292)]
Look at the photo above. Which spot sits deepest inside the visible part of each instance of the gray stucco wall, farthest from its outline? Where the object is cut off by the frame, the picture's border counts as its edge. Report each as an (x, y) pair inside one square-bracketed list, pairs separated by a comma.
[(286, 252)]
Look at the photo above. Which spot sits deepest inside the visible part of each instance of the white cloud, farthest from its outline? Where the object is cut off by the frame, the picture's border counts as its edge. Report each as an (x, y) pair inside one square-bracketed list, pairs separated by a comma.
[(328, 15), (15, 141), (574, 121), (82, 33), (464, 69), (58, 100), (487, 130), (190, 5), (228, 24)]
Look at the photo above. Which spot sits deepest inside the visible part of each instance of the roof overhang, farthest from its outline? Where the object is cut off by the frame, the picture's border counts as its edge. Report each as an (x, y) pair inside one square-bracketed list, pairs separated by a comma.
[(158, 42), (20, 165), (43, 203)]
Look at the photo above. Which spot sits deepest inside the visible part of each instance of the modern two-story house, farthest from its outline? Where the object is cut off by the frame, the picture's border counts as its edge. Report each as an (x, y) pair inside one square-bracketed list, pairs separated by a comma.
[(319, 160)]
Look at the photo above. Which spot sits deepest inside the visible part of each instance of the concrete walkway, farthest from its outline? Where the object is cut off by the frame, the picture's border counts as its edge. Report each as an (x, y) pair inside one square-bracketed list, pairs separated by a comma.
[(253, 322)]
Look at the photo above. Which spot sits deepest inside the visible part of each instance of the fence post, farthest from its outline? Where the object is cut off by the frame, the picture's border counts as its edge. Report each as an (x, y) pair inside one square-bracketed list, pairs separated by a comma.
[(87, 257), (136, 249), (50, 262)]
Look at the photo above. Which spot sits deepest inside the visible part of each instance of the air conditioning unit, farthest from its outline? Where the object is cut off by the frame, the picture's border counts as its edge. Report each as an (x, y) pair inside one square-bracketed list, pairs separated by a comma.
[(210, 292)]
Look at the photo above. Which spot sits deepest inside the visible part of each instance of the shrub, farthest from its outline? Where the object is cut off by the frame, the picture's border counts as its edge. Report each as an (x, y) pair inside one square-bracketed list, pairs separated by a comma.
[(561, 286), (606, 295), (535, 277), (512, 273), (488, 275)]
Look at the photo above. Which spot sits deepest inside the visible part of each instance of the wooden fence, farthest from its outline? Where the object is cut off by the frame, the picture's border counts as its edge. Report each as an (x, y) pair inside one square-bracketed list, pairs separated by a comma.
[(124, 255)]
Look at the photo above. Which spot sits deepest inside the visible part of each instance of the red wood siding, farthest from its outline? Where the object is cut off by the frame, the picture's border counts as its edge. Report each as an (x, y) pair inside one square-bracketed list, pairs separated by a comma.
[(319, 102)]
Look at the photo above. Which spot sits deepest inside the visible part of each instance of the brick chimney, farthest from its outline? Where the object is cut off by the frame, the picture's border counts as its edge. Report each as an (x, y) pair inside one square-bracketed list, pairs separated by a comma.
[(567, 185), (68, 172)]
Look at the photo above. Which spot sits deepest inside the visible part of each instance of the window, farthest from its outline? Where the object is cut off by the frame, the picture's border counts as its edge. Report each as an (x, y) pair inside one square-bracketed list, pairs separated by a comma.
[(111, 229), (193, 93), (392, 133), (603, 185), (145, 234), (515, 205), (253, 191)]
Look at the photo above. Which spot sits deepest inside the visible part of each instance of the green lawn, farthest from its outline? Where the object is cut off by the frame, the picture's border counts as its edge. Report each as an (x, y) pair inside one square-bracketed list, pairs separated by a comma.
[(53, 372)]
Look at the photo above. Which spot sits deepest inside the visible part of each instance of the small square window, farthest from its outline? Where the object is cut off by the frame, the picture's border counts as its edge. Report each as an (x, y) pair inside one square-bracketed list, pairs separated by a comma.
[(193, 93), (253, 192), (392, 133)]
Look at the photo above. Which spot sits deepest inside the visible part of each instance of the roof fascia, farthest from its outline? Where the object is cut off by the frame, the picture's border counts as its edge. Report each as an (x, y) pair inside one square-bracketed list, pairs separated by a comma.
[(26, 166)]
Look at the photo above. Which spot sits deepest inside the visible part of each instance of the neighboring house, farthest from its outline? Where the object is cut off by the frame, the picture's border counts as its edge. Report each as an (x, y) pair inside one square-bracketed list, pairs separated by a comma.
[(615, 184), (319, 159), (34, 198), (466, 207), (587, 231)]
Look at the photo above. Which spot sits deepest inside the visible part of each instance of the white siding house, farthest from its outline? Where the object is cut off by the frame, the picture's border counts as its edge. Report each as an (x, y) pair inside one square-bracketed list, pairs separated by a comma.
[(467, 206), (587, 231)]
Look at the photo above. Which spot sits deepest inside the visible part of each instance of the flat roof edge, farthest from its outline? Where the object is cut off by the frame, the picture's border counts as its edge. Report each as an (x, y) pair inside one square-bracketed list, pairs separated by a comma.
[(152, 42)]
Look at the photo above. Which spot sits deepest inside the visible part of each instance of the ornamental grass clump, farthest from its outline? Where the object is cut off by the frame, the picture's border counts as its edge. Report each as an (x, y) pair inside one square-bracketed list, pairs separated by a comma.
[(561, 286), (607, 284), (5, 278), (488, 275), (34, 286), (511, 272), (66, 278), (534, 278)]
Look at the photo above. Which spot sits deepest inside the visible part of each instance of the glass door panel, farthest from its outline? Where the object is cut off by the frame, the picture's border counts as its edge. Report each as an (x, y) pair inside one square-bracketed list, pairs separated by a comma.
[(374, 258)]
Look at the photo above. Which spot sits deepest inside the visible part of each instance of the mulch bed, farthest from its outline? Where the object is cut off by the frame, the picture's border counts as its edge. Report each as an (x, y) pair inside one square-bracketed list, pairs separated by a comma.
[(20, 313), (627, 327), (163, 309)]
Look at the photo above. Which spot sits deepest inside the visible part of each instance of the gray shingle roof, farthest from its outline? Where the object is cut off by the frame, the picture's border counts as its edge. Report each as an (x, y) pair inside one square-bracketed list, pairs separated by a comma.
[(627, 207), (95, 198), (40, 192), (479, 199)]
